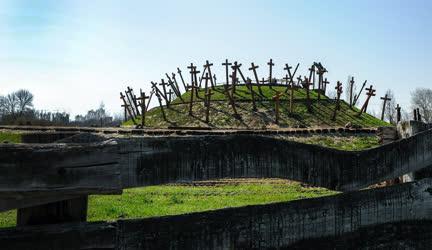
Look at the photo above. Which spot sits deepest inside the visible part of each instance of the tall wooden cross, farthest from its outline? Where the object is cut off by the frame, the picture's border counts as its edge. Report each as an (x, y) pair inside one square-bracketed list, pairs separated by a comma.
[(127, 106), (207, 67), (164, 95), (181, 78), (351, 91), (320, 71), (306, 83), (370, 93), (312, 74), (252, 92), (237, 66), (337, 106), (232, 101), (276, 99), (142, 100), (398, 113), (253, 68), (290, 86), (178, 88), (226, 64), (385, 99), (132, 101), (194, 79), (325, 83), (173, 86), (270, 64)]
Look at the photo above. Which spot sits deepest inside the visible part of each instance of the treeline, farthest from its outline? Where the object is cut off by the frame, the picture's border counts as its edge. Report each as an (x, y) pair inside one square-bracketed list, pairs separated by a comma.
[(17, 108)]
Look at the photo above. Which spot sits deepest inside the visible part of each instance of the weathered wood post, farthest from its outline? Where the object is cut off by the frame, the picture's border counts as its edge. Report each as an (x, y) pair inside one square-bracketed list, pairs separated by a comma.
[(127, 106), (385, 99), (370, 93), (398, 113), (226, 64), (253, 68), (337, 106), (252, 92)]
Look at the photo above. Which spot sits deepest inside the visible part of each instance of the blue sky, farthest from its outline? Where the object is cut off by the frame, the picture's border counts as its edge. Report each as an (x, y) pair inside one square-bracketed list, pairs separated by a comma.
[(75, 54)]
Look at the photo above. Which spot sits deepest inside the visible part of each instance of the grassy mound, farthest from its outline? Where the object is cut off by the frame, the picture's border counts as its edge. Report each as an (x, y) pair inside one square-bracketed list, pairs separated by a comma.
[(188, 198), (222, 115), (6, 137)]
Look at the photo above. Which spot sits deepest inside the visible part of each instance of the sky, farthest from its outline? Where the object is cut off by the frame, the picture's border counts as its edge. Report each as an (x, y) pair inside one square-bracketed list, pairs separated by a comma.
[(75, 54)]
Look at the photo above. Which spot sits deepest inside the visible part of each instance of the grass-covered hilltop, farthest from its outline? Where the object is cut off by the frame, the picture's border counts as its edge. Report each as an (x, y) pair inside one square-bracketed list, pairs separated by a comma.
[(221, 113)]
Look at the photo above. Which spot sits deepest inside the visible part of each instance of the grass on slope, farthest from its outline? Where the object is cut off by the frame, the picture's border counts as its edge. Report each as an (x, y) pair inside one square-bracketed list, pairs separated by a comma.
[(181, 199), (9, 137), (221, 113), (341, 142)]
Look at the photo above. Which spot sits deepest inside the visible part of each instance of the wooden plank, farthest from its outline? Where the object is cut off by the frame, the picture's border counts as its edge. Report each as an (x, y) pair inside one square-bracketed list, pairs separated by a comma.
[(168, 159), (61, 170), (275, 226)]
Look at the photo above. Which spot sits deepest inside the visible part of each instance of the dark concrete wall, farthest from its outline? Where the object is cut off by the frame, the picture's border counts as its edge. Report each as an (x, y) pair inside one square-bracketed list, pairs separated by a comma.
[(271, 226), (156, 160)]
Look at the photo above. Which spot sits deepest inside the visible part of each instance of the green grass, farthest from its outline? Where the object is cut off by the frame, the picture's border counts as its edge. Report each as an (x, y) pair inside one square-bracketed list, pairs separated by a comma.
[(341, 142), (9, 137), (181, 199), (222, 115)]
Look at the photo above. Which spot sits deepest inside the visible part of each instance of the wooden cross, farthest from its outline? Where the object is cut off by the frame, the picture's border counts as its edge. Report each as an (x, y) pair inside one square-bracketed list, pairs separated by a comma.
[(194, 80), (252, 92), (178, 89), (320, 71), (289, 86), (291, 76), (207, 66), (337, 106), (131, 98), (226, 64), (398, 113), (325, 82), (181, 77), (126, 106), (312, 74), (253, 68), (164, 95), (276, 99), (207, 104), (234, 78), (240, 72), (370, 93), (173, 85), (385, 99), (142, 100), (351, 92), (306, 83), (270, 64), (206, 78)]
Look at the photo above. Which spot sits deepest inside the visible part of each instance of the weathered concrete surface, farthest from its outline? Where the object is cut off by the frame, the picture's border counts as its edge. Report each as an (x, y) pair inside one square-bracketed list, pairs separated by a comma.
[(272, 226), (29, 173), (156, 160)]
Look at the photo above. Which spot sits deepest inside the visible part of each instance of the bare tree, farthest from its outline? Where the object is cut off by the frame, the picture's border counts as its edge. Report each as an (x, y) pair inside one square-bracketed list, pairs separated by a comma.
[(390, 107), (24, 100), (422, 98)]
